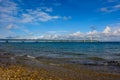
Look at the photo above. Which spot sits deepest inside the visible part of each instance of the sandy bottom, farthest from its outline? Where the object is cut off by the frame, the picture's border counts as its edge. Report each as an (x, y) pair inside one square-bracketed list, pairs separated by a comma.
[(19, 72)]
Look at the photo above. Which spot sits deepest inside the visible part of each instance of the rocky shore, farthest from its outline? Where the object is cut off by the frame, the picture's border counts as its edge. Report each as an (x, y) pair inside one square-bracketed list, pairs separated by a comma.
[(26, 67)]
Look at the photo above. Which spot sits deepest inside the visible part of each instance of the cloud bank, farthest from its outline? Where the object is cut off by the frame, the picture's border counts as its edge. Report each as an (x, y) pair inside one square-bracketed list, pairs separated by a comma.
[(108, 34), (11, 12)]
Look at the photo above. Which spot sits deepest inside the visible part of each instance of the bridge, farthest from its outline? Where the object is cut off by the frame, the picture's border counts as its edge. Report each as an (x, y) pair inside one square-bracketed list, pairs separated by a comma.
[(43, 40)]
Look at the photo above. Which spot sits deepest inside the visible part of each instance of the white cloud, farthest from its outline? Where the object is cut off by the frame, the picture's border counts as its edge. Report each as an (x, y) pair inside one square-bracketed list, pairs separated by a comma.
[(110, 34), (26, 18), (117, 6), (8, 11), (54, 32), (11, 26), (111, 8), (37, 16), (76, 34), (67, 17), (49, 36), (92, 32), (11, 12), (6, 32), (107, 30), (104, 9), (112, 1), (47, 9), (9, 29), (116, 32)]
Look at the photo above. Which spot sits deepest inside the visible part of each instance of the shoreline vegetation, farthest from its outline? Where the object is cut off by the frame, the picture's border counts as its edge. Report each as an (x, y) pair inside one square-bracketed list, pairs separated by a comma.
[(25, 67)]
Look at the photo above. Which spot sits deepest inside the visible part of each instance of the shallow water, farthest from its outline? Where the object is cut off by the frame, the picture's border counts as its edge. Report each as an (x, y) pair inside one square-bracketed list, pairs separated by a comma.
[(77, 51)]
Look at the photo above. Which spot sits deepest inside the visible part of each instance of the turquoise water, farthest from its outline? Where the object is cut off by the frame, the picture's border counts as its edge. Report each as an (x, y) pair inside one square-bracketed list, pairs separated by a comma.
[(72, 50)]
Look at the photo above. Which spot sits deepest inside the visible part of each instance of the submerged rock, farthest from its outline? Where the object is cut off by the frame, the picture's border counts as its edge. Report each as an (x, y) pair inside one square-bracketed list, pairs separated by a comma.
[(114, 63)]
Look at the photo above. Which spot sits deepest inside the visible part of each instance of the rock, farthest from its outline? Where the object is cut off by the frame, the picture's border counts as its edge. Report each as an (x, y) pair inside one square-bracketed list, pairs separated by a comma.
[(114, 63)]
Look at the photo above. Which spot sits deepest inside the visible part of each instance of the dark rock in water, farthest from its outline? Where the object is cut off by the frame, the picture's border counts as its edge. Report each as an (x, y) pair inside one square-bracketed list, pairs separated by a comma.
[(38, 58), (25, 56), (117, 54), (97, 63), (6, 55), (92, 63), (6, 59), (114, 63), (1, 50), (73, 53), (41, 57)]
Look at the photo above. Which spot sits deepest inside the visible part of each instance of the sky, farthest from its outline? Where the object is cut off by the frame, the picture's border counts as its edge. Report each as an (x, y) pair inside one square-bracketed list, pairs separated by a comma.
[(60, 19)]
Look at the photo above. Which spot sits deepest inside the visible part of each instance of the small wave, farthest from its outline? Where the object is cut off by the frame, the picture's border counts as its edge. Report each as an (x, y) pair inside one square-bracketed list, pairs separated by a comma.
[(32, 57), (96, 58), (27, 56)]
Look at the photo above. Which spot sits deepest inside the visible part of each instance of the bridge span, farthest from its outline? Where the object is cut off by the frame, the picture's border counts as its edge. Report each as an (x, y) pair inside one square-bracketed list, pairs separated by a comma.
[(43, 40)]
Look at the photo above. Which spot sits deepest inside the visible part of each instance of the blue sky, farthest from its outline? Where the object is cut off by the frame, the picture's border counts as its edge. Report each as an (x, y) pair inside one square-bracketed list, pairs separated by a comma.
[(60, 19)]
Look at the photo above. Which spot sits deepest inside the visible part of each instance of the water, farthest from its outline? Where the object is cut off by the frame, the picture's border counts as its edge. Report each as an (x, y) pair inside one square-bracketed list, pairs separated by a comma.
[(72, 50)]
